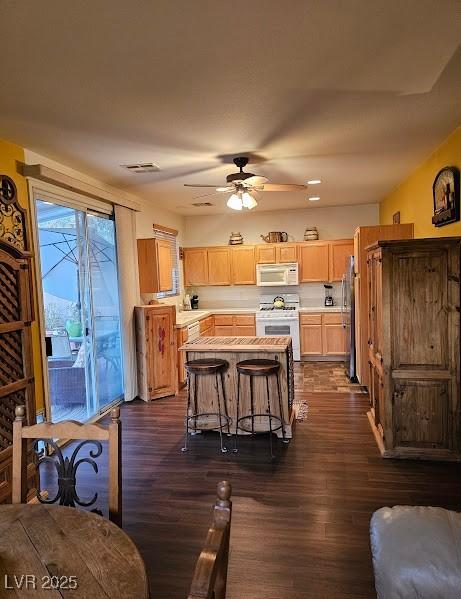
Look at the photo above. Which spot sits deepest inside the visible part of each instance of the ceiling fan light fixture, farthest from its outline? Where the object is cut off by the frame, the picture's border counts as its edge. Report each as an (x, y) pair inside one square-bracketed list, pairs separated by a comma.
[(314, 182), (235, 202), (313, 198), (248, 201)]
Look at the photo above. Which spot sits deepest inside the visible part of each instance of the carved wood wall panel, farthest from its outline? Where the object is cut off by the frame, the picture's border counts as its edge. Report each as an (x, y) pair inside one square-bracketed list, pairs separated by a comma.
[(16, 366)]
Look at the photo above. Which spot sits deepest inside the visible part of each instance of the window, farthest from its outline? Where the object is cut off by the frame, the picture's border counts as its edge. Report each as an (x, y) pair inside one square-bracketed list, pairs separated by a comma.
[(170, 235)]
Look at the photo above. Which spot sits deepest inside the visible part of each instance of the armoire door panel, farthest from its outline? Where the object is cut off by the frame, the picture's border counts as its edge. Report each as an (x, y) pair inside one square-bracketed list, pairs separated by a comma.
[(421, 414), (421, 324)]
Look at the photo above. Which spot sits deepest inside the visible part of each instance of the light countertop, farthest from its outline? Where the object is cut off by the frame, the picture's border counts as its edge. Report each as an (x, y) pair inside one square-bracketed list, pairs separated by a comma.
[(186, 317)]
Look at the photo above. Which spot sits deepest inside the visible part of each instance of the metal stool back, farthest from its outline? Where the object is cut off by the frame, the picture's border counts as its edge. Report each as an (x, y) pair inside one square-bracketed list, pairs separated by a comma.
[(203, 367)]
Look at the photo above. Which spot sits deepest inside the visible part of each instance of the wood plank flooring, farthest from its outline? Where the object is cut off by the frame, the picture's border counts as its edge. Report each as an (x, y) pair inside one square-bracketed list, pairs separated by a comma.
[(300, 524)]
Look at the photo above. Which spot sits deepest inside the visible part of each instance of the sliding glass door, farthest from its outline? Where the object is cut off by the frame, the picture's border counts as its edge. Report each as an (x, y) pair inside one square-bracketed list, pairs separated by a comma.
[(105, 309), (78, 266)]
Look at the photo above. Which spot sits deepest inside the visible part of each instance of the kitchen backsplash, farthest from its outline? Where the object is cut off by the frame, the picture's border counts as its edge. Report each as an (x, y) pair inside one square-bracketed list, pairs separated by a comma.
[(247, 296)]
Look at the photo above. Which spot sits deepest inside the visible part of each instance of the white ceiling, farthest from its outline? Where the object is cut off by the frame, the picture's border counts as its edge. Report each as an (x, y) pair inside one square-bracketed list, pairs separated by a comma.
[(355, 93)]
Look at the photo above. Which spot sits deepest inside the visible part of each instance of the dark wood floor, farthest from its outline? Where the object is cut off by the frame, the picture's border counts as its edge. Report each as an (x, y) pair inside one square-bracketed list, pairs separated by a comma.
[(300, 525)]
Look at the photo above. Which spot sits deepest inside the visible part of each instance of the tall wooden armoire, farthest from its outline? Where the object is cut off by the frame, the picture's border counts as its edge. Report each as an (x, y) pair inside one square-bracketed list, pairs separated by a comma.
[(414, 347), (156, 351), (16, 315)]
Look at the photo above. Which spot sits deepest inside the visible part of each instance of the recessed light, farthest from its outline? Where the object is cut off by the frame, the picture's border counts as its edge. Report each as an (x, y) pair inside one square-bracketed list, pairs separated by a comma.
[(314, 182), (314, 198)]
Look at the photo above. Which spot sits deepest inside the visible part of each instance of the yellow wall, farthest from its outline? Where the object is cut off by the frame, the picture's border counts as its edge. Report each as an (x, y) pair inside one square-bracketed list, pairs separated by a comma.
[(413, 197), (10, 154)]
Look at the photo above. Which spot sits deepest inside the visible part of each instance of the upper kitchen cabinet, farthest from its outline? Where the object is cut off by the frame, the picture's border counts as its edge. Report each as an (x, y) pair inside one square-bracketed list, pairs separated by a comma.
[(155, 262), (339, 252), (219, 266), (313, 261), (243, 265), (195, 266), (272, 253)]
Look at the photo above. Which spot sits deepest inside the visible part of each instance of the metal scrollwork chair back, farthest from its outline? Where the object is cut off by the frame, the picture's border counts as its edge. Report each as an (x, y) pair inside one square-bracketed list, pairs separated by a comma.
[(90, 437), (210, 576)]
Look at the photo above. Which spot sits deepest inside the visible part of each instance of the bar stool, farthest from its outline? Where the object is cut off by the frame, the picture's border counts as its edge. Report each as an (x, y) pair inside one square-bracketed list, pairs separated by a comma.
[(265, 368), (203, 367)]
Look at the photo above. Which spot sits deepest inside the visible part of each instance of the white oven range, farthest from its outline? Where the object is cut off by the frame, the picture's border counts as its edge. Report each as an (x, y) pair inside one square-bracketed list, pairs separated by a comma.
[(281, 321)]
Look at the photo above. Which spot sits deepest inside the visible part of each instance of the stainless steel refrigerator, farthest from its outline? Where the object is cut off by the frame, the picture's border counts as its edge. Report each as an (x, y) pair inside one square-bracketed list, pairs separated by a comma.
[(348, 317)]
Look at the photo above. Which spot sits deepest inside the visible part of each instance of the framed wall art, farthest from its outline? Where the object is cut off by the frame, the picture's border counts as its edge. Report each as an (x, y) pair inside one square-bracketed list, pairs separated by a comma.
[(445, 193)]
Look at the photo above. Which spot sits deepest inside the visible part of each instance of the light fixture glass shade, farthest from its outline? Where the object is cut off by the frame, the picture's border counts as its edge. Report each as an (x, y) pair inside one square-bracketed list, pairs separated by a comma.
[(235, 202), (248, 201)]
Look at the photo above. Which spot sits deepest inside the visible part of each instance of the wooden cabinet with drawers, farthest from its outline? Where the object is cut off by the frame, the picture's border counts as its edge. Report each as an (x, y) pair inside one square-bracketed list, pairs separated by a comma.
[(156, 351), (272, 253), (414, 347), (228, 325), (322, 334)]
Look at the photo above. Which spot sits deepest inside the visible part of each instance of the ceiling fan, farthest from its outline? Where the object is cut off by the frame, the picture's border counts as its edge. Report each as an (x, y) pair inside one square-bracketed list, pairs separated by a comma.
[(243, 186)]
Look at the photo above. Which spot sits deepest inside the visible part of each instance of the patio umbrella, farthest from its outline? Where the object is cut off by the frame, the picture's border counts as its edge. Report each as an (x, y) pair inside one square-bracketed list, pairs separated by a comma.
[(59, 255)]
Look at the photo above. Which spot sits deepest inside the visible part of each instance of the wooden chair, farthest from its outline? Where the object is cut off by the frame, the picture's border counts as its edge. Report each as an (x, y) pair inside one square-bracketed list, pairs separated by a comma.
[(87, 434), (210, 576)]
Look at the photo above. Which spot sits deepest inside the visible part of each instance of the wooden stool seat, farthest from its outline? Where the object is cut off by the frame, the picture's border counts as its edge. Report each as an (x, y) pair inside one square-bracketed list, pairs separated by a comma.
[(205, 366), (258, 367)]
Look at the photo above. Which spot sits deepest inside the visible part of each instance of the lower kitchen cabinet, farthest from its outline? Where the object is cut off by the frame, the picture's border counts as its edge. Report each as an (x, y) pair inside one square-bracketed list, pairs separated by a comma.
[(230, 325), (156, 351), (311, 335), (334, 335), (182, 337), (207, 327), (322, 335)]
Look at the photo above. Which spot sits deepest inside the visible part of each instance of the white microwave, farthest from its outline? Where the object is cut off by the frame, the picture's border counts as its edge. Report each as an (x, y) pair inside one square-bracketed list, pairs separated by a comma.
[(273, 275)]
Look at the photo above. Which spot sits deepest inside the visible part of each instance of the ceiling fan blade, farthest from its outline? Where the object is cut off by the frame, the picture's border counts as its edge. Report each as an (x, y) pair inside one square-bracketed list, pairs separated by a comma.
[(283, 187), (194, 185), (255, 181)]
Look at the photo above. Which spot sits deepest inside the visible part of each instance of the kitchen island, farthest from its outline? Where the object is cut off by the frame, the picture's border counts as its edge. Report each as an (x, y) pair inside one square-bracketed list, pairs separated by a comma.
[(236, 349)]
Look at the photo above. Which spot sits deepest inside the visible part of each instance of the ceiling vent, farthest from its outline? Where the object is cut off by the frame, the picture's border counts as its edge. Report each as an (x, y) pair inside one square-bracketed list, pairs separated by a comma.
[(200, 204), (141, 167)]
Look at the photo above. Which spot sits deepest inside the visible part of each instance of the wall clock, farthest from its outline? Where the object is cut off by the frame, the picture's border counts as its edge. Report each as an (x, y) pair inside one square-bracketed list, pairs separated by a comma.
[(445, 192)]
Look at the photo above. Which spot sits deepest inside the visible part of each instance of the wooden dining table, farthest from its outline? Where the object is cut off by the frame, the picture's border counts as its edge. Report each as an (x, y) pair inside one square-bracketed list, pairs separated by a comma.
[(49, 551)]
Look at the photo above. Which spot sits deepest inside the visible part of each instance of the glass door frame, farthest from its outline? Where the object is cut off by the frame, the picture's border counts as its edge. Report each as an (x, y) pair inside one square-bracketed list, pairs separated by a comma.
[(39, 190)]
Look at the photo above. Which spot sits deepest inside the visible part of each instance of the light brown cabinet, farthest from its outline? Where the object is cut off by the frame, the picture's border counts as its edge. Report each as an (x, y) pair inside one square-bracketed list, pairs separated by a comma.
[(182, 337), (228, 325), (340, 250), (156, 351), (155, 263), (219, 267), (319, 262), (313, 260), (311, 334), (195, 266), (414, 352), (334, 335), (364, 237), (207, 327), (322, 335), (272, 253), (243, 265)]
